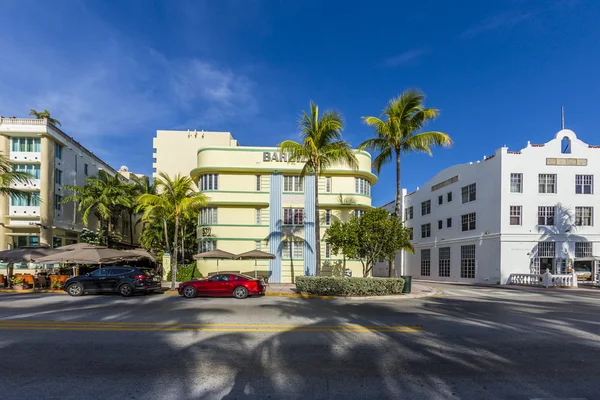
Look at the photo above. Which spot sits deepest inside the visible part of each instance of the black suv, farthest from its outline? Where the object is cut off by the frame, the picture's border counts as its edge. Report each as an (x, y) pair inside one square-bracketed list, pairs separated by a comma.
[(124, 280)]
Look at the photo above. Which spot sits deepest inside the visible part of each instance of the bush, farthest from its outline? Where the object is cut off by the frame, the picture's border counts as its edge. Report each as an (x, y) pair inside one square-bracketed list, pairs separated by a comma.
[(331, 286), (185, 273)]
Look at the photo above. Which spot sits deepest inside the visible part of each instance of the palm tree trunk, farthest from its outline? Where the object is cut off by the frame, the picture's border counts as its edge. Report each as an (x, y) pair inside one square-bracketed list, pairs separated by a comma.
[(397, 208), (167, 247), (131, 228), (108, 233), (317, 228), (175, 248)]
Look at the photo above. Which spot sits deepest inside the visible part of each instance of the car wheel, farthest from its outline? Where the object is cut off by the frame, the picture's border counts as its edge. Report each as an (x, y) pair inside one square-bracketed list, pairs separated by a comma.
[(189, 292), (75, 289), (126, 290), (240, 292)]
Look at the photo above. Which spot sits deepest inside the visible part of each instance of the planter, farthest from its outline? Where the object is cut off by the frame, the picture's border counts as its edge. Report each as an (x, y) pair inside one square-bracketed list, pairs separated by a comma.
[(59, 278), (20, 287)]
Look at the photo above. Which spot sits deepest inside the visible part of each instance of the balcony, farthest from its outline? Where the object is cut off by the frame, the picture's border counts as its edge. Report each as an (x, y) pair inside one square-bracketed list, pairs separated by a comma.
[(34, 184), (25, 156), (24, 211)]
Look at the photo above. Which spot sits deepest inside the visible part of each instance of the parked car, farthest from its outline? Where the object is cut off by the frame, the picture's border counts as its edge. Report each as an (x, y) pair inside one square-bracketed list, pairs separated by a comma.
[(583, 272), (124, 280), (236, 285)]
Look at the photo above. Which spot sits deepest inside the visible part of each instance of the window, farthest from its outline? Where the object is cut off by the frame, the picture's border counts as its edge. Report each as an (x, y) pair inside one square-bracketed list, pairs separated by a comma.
[(258, 216), (207, 245), (584, 216), (362, 186), (27, 145), (209, 182), (468, 193), (292, 249), (118, 271), (448, 197), (546, 249), (408, 213), (293, 216), (100, 272), (34, 240), (327, 217), (58, 151), (58, 176), (565, 145), (448, 222), (547, 183), (57, 202), (208, 216), (515, 215), (56, 242), (516, 183), (410, 233), (293, 183), (425, 230), (440, 200), (327, 250), (583, 249), (85, 169), (257, 244), (440, 224), (444, 262), (546, 215), (426, 262), (31, 169), (467, 261), (359, 213), (239, 278), (33, 200), (328, 184), (426, 207), (584, 184), (258, 183), (468, 222)]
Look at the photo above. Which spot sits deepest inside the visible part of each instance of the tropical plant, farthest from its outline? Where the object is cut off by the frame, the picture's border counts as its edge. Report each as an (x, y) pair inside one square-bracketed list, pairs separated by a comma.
[(176, 198), (8, 177), (44, 114), (320, 148)]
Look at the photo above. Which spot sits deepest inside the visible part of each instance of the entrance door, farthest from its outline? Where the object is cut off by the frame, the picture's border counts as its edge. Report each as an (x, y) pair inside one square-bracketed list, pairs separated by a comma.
[(546, 263)]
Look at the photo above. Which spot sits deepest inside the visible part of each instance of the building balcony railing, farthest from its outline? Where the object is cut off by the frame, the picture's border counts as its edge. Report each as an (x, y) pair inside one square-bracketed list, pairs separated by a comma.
[(25, 156), (24, 211), (23, 121), (34, 184)]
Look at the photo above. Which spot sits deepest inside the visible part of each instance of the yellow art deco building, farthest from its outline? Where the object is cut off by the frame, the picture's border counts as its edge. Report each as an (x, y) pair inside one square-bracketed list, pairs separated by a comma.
[(257, 200)]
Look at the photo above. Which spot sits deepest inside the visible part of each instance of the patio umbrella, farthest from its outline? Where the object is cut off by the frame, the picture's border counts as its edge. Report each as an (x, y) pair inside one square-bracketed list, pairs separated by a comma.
[(77, 246), (215, 254), (88, 255), (26, 254), (142, 253), (256, 255)]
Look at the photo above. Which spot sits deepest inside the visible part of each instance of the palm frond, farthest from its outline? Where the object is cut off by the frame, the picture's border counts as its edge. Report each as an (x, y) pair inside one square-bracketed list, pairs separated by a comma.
[(424, 141), (382, 158)]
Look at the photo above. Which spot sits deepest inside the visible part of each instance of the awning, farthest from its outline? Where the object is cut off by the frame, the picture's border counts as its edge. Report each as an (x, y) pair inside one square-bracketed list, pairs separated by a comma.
[(592, 258)]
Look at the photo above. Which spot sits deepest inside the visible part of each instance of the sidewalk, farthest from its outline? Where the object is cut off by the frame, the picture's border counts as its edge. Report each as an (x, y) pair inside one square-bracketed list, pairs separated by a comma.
[(580, 287)]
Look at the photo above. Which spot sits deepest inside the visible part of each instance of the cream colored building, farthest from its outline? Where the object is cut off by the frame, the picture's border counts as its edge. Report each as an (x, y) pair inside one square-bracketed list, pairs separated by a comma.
[(54, 159)]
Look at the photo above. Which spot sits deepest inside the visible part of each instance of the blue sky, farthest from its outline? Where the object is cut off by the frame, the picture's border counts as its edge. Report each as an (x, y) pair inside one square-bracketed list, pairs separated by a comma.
[(116, 71)]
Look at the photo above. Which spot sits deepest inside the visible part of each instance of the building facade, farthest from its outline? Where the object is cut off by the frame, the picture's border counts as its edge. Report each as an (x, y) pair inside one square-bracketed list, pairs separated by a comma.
[(53, 159), (257, 200), (514, 212)]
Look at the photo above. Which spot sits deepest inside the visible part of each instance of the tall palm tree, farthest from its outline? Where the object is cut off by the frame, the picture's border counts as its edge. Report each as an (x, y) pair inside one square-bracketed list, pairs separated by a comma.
[(8, 177), (321, 146), (44, 114), (398, 132), (176, 199)]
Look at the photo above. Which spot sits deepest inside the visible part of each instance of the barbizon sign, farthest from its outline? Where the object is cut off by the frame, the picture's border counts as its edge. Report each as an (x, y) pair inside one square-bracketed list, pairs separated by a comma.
[(275, 156)]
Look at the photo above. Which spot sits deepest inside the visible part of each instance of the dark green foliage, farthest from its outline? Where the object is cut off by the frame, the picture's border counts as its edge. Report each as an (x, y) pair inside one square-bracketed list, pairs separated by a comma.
[(330, 286)]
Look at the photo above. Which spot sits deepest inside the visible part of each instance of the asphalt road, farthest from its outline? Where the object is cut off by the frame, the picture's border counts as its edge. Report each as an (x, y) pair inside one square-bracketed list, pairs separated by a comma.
[(470, 343)]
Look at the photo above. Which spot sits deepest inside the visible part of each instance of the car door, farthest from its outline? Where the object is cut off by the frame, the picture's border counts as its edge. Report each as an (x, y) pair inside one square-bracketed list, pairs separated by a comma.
[(227, 285), (215, 285), (96, 280), (115, 275)]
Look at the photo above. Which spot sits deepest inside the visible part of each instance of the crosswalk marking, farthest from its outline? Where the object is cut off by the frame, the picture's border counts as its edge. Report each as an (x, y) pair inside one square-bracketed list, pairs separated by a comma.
[(483, 293)]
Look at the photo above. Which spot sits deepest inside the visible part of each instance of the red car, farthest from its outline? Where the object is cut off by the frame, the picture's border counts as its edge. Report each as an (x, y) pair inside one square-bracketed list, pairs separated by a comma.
[(236, 285)]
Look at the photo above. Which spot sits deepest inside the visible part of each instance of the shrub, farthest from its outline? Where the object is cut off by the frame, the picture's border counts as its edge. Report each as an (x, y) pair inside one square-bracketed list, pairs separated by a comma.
[(331, 286), (185, 273)]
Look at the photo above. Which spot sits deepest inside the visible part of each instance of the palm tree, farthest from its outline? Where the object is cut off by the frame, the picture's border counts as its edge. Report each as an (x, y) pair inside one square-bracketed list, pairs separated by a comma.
[(176, 199), (8, 177), (105, 196), (399, 132), (320, 148), (44, 114)]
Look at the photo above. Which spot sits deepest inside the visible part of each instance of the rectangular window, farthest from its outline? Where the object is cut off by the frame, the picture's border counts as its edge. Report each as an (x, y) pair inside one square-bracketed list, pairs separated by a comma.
[(258, 183), (258, 216), (425, 230), (33, 200), (293, 183), (293, 216), (426, 262), (448, 222), (57, 202), (327, 217), (546, 250), (440, 224), (440, 200), (327, 250), (362, 186), (448, 197), (56, 242), (58, 151), (547, 183), (584, 216), (85, 169), (359, 213), (27, 145), (208, 216), (207, 245), (31, 169), (515, 215), (468, 222), (209, 182), (546, 215), (410, 233), (426, 207), (328, 184), (516, 183), (583, 249), (467, 261), (286, 249), (298, 249), (469, 193), (408, 213), (584, 184), (257, 244), (58, 176), (444, 262)]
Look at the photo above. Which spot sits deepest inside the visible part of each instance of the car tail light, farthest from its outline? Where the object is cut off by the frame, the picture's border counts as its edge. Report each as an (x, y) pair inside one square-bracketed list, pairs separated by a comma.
[(140, 277)]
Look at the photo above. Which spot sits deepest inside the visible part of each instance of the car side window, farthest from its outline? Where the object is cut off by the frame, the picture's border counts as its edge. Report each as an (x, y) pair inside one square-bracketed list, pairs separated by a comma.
[(119, 271), (100, 272), (225, 277), (239, 278)]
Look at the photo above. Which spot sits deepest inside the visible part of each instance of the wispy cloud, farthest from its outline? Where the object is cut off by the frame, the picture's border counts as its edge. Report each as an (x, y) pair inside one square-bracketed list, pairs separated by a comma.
[(404, 58), (501, 21)]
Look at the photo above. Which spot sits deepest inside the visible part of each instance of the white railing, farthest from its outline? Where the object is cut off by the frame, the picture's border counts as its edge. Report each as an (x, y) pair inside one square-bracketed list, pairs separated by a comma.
[(23, 121), (546, 279)]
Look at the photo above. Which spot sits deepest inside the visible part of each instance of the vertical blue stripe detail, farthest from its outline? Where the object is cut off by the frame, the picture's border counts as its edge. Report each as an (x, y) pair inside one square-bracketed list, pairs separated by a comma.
[(275, 226), (310, 257)]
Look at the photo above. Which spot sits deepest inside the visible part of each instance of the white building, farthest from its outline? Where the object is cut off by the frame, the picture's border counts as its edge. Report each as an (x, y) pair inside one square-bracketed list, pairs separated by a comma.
[(514, 212)]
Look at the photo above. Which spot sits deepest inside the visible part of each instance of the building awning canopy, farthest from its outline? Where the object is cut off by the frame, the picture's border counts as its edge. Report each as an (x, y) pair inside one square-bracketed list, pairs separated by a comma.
[(592, 258)]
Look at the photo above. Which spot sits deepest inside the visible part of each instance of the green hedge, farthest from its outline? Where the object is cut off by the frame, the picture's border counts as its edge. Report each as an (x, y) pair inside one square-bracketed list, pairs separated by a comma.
[(331, 286), (185, 273)]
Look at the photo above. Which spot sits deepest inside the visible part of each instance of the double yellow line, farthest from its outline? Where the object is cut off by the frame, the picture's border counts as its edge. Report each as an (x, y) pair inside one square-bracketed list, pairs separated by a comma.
[(158, 326)]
